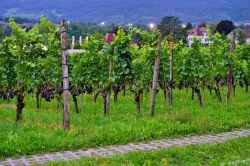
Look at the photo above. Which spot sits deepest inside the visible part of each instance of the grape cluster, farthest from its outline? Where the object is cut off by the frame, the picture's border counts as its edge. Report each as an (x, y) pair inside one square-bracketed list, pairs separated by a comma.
[(187, 84), (218, 79), (241, 84), (59, 90), (210, 86), (89, 89), (30, 91), (117, 89), (9, 94), (47, 93), (180, 85), (3, 96), (80, 89), (73, 91), (171, 84)]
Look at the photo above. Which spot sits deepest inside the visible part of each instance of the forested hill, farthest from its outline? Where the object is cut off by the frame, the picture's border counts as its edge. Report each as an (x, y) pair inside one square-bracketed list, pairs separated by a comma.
[(124, 11)]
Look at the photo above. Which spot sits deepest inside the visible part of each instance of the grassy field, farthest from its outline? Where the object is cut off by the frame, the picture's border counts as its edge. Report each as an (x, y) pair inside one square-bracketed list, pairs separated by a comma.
[(40, 130), (209, 154)]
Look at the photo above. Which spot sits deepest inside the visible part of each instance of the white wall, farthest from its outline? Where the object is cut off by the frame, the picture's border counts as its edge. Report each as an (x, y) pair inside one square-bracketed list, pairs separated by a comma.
[(248, 40), (204, 39)]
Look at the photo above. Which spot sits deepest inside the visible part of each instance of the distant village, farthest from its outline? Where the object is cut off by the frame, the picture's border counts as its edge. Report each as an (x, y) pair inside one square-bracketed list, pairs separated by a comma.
[(201, 32)]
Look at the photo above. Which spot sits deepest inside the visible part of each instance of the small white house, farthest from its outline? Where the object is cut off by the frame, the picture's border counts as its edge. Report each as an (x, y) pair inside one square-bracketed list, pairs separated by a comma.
[(199, 33), (246, 32)]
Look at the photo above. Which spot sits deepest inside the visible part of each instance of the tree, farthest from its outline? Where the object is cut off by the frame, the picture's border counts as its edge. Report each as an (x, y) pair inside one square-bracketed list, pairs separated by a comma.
[(225, 27), (1, 33), (189, 26), (212, 26), (241, 36), (78, 29), (171, 25), (5, 30)]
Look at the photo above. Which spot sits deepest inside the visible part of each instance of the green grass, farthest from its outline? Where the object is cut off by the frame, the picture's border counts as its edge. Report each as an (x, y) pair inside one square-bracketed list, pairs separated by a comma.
[(40, 131), (209, 154)]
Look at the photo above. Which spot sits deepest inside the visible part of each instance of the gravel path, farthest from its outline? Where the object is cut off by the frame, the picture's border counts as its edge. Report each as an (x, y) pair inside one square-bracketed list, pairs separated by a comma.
[(118, 149)]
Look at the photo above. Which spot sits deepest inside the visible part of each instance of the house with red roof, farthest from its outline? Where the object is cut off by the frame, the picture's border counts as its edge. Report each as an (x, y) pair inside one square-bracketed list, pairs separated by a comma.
[(200, 32), (246, 32)]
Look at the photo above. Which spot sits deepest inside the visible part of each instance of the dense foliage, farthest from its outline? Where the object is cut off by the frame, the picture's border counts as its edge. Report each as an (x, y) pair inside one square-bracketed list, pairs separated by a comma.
[(31, 62)]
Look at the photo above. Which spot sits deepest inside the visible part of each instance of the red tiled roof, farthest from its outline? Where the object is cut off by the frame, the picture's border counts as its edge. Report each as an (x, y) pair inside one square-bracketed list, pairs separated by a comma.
[(199, 31), (192, 31), (247, 32), (109, 37)]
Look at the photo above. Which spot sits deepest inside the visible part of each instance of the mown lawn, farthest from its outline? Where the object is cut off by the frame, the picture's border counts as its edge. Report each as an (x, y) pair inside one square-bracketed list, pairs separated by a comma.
[(209, 154), (40, 130)]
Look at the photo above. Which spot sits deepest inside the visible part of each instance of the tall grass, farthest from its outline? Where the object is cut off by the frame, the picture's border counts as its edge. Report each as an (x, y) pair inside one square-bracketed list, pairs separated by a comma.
[(40, 130)]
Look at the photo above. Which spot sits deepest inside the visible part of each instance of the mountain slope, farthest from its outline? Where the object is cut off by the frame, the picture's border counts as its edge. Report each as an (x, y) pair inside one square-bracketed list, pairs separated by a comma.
[(124, 11)]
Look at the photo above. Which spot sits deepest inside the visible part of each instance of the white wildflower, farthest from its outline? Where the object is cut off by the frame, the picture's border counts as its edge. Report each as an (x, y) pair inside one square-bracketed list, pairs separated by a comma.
[(44, 48)]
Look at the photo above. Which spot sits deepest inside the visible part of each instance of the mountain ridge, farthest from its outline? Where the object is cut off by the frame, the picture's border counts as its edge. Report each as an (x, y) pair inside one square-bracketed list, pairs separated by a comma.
[(120, 11)]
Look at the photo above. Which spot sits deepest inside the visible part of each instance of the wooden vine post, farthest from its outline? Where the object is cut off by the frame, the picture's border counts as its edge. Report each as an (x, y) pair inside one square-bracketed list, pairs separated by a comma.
[(65, 74), (230, 67), (73, 42), (80, 41), (108, 39), (155, 77), (171, 59)]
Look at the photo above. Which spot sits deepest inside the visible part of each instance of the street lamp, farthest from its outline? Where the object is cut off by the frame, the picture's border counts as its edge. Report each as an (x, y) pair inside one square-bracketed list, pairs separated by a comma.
[(102, 23), (151, 26)]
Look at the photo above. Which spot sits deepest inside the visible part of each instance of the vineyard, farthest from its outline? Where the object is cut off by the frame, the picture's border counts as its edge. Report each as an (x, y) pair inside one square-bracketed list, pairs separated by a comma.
[(126, 75)]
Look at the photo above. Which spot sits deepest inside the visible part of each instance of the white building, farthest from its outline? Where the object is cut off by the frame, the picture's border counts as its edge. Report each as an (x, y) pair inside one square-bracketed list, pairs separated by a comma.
[(199, 33), (246, 32)]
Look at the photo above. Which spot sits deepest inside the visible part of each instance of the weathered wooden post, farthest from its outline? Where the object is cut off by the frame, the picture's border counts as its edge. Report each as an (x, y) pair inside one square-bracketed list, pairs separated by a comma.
[(80, 41), (155, 77), (170, 100), (230, 67), (73, 42), (66, 118), (108, 39)]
